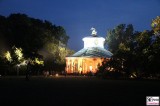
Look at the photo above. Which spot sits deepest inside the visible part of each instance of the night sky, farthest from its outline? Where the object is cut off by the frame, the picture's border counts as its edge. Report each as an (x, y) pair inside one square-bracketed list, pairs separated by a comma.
[(78, 16)]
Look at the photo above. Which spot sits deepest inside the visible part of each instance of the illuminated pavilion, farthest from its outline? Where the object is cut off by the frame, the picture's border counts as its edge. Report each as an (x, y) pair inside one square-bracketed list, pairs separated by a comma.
[(90, 57)]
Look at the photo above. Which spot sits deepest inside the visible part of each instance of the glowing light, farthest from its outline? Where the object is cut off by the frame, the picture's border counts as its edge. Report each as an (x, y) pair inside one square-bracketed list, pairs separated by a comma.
[(39, 62), (111, 69), (133, 75), (80, 69), (93, 42), (7, 55), (24, 63), (19, 53), (90, 68), (57, 75)]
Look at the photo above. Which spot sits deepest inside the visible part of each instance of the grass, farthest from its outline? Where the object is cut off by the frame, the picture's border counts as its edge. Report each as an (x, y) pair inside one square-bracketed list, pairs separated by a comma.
[(75, 91)]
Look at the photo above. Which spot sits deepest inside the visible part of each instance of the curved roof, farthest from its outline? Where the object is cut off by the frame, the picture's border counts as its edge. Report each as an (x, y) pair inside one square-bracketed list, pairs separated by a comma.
[(93, 52)]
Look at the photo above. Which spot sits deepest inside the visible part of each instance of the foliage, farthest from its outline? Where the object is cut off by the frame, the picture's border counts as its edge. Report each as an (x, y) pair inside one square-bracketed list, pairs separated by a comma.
[(119, 35), (8, 57), (136, 54), (38, 39), (156, 25), (120, 43)]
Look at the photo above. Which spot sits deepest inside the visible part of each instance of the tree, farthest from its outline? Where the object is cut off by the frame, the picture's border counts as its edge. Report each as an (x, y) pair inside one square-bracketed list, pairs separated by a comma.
[(14, 58), (54, 56), (36, 37), (154, 49), (120, 43), (156, 25), (135, 54)]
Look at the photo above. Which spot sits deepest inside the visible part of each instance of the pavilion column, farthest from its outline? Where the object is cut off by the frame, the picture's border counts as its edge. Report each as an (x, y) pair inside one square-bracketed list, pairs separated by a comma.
[(94, 66), (67, 63), (86, 66), (69, 66), (78, 65), (83, 70)]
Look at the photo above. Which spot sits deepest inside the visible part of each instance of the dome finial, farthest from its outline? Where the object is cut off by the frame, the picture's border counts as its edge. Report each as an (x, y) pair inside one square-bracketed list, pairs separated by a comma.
[(94, 32)]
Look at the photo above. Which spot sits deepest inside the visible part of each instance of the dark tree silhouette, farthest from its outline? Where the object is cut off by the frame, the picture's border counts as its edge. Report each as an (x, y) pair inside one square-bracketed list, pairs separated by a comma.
[(36, 37)]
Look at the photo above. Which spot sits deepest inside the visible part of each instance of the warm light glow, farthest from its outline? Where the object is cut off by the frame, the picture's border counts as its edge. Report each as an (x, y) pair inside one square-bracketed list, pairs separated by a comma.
[(80, 69), (110, 69), (39, 62), (19, 53), (85, 62), (133, 75), (90, 68), (7, 55), (82, 65), (24, 63), (57, 75)]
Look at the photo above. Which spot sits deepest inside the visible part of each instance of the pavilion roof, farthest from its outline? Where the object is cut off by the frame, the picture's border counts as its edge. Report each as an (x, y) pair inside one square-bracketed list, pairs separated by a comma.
[(93, 52)]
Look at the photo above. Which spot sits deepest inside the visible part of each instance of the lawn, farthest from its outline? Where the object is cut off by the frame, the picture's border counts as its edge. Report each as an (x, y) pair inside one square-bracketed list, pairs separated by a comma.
[(77, 91)]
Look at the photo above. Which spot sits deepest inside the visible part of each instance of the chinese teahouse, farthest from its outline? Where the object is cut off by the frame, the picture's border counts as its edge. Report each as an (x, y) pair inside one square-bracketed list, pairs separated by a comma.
[(90, 57)]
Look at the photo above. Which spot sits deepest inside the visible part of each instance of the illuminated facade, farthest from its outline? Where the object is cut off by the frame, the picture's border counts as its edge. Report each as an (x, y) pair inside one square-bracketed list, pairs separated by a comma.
[(90, 57)]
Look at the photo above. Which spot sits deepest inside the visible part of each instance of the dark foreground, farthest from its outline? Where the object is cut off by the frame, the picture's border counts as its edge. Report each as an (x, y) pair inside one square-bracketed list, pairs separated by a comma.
[(75, 91)]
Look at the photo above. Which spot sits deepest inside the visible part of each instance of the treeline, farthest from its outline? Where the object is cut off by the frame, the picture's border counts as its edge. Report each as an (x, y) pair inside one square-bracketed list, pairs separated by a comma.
[(37, 40), (135, 54)]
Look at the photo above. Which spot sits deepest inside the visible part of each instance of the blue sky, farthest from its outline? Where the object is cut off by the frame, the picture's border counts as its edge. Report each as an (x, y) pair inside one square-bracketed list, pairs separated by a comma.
[(78, 16)]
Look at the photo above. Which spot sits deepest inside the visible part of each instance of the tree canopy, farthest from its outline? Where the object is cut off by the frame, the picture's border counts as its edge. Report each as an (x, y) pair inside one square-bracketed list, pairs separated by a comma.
[(135, 54), (37, 38)]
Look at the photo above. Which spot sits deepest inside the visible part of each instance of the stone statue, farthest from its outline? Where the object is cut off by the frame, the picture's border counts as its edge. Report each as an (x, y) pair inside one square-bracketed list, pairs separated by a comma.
[(94, 32)]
